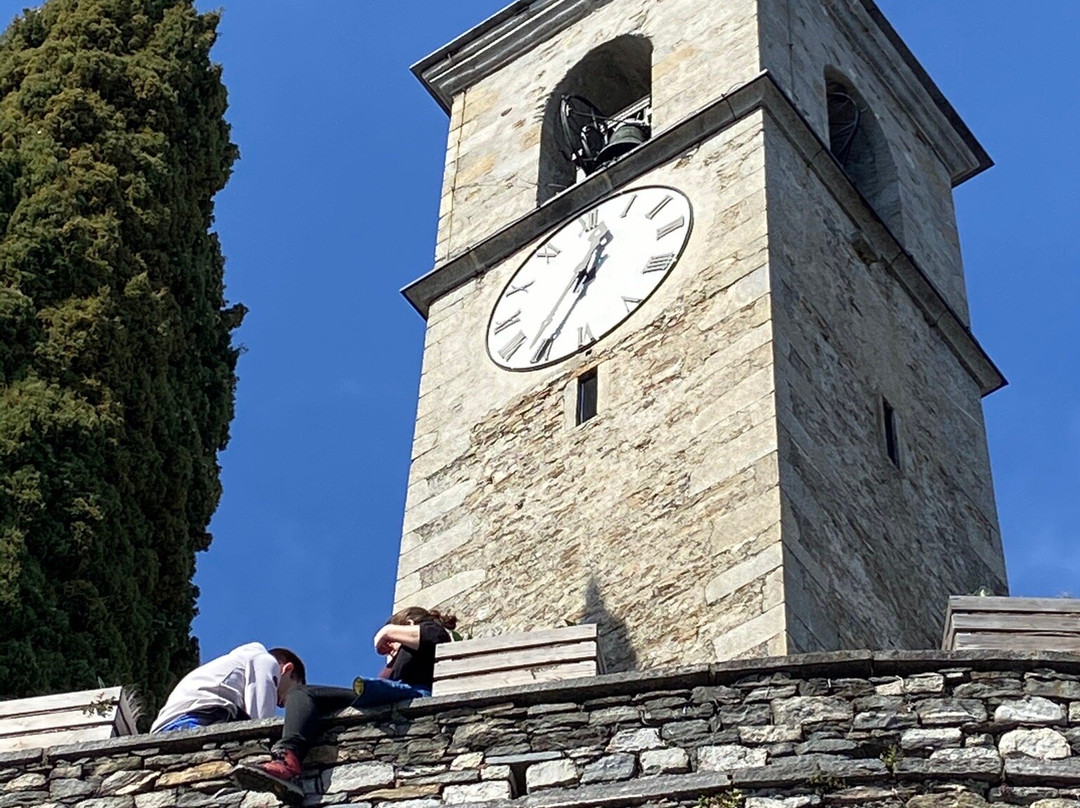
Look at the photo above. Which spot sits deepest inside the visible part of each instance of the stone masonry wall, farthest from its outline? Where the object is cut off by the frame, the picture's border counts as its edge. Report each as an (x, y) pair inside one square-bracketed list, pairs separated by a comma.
[(659, 518), (799, 40), (848, 334), (961, 730)]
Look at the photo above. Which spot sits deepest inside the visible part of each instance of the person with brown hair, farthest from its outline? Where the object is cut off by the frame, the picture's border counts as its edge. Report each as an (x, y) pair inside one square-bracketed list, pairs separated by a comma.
[(407, 641)]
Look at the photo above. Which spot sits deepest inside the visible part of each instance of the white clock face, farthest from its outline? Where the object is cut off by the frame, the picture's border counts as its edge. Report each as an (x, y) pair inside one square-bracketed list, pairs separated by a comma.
[(588, 276)]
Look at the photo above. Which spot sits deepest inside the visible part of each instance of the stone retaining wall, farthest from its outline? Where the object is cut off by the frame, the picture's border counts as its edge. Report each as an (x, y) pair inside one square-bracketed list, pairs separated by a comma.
[(912, 729)]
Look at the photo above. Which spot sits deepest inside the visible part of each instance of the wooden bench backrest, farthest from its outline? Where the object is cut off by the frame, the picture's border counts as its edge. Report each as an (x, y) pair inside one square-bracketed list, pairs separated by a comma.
[(64, 718), (515, 659), (1012, 624)]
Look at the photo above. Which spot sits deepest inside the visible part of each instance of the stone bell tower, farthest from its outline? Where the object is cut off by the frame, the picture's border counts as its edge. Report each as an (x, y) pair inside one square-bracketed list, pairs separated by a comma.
[(698, 364)]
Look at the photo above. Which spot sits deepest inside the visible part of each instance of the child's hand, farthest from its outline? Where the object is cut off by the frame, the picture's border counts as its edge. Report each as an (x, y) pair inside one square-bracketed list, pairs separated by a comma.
[(383, 643)]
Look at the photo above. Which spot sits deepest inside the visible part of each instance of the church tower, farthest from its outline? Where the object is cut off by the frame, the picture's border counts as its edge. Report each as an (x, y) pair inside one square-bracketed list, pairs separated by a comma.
[(698, 365)]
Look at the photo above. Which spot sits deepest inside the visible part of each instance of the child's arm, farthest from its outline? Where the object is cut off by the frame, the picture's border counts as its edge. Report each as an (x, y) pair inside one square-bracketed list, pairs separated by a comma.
[(389, 635)]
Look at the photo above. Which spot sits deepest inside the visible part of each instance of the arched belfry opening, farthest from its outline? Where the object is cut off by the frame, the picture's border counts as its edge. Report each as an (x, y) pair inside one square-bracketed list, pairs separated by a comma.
[(860, 146), (598, 112)]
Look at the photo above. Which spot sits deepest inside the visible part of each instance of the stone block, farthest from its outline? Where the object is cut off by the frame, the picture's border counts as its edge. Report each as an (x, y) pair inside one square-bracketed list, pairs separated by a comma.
[(725, 757), (1031, 771), (635, 740), (802, 710), (1043, 743), (664, 761), (1030, 710), (354, 777), (770, 734), (944, 712), (551, 773), (477, 792), (610, 768), (916, 738)]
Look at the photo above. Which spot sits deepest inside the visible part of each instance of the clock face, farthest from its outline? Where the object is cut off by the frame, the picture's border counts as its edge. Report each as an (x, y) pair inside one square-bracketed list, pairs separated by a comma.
[(588, 276)]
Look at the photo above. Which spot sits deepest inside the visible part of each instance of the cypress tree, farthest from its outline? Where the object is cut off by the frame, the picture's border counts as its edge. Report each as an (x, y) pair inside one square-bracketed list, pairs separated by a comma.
[(116, 365)]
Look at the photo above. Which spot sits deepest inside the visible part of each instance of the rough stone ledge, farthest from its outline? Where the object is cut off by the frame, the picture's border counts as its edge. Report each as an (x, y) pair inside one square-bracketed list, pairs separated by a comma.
[(616, 795), (836, 664)]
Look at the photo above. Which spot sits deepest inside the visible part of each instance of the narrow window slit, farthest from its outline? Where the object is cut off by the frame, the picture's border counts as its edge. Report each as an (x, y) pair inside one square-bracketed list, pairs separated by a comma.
[(892, 444), (586, 396)]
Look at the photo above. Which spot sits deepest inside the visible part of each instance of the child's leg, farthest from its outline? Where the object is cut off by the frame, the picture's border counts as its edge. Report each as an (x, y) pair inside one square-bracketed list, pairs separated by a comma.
[(305, 707), (372, 692)]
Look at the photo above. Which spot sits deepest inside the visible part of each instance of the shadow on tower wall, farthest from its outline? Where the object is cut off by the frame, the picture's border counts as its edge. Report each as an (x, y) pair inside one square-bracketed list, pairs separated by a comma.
[(613, 637)]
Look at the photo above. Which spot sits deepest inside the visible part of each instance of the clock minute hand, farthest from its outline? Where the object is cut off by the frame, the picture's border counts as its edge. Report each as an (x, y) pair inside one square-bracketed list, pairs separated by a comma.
[(580, 272)]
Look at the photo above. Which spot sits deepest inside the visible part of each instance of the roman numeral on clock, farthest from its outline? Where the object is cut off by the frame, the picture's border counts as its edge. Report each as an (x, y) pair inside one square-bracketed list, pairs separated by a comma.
[(510, 348), (630, 302), (658, 263), (584, 335), (659, 207), (543, 350), (513, 290), (670, 227), (589, 220), (509, 321), (547, 252), (629, 204)]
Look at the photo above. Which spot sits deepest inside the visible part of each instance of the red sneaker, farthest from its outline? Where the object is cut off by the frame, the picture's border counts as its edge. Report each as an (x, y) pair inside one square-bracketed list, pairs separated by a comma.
[(280, 776)]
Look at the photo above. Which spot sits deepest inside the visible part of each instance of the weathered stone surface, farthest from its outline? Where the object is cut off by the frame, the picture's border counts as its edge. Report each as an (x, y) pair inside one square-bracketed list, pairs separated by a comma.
[(725, 757), (969, 762), (1056, 803), (468, 760), (664, 761), (1027, 771), (1043, 743), (938, 712), (635, 740), (1074, 713), (167, 799), (65, 788), (1030, 710), (801, 710), (477, 792), (620, 766), (132, 782), (550, 773), (960, 798), (771, 734), (355, 777), (204, 771), (25, 782), (913, 739)]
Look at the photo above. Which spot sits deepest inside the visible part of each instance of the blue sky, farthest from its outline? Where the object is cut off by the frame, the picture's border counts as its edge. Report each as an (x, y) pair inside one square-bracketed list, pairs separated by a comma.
[(332, 209)]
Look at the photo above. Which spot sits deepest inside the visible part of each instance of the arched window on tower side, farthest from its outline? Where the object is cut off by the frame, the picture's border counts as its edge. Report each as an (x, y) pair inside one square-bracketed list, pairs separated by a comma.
[(858, 143), (598, 112)]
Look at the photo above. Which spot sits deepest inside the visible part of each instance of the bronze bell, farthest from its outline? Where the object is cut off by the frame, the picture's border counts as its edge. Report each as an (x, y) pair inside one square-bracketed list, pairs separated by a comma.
[(626, 136)]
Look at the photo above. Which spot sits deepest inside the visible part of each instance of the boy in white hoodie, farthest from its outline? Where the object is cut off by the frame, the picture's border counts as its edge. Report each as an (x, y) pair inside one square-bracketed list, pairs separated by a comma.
[(246, 683)]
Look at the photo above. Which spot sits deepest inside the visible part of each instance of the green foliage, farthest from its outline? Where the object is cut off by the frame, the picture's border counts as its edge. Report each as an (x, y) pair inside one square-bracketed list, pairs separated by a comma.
[(116, 365), (728, 798)]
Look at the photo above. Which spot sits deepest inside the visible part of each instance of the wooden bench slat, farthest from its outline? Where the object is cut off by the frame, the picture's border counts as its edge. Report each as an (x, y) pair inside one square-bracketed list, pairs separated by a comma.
[(1016, 642), (18, 743), (975, 603), (515, 641), (530, 657), (990, 621), (58, 701), (46, 722), (513, 678)]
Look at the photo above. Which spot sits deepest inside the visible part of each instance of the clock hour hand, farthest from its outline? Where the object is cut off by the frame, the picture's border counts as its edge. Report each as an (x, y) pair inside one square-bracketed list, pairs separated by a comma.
[(599, 239)]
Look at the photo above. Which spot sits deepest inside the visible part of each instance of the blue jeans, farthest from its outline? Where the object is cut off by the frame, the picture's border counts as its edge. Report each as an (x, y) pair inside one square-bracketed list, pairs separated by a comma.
[(307, 705), (194, 720)]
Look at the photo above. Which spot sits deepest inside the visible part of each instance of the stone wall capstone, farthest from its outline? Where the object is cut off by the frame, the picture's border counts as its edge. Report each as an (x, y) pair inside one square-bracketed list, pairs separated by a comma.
[(880, 730)]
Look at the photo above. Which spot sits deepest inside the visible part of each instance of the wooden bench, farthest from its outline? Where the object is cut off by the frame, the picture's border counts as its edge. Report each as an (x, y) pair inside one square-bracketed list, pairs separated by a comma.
[(64, 718), (1012, 624), (516, 659)]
